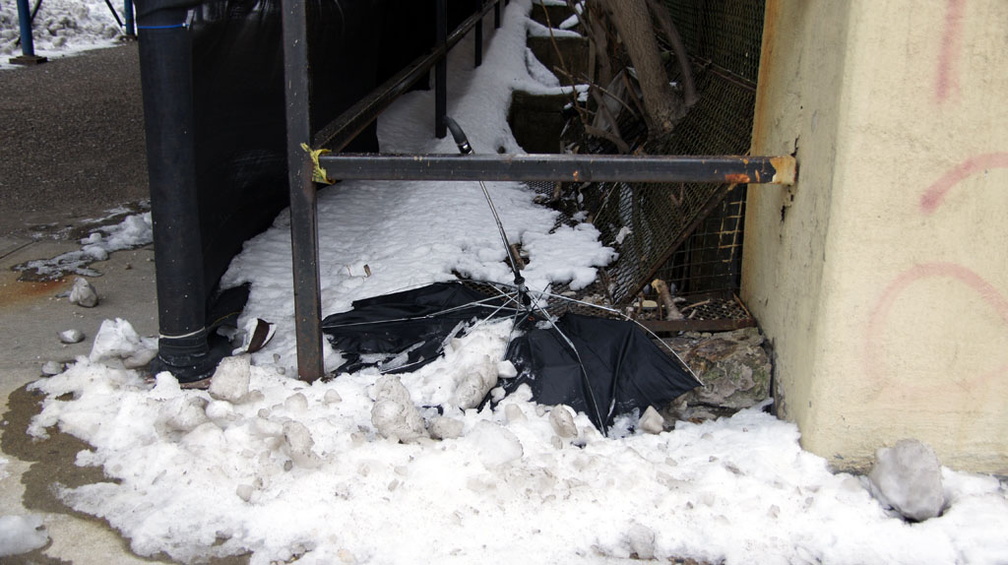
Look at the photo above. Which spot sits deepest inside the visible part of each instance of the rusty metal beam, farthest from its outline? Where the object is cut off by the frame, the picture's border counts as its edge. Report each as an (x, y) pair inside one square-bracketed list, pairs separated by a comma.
[(572, 168), (304, 219)]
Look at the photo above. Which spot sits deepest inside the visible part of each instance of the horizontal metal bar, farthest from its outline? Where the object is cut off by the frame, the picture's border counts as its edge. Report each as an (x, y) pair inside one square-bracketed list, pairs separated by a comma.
[(574, 168), (338, 133)]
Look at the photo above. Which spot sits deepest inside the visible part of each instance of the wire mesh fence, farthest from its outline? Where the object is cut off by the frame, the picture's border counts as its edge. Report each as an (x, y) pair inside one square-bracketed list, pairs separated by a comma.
[(690, 235)]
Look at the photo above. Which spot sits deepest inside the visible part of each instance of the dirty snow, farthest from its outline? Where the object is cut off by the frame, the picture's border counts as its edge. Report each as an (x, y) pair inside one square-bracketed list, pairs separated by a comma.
[(133, 231), (265, 464), (61, 28)]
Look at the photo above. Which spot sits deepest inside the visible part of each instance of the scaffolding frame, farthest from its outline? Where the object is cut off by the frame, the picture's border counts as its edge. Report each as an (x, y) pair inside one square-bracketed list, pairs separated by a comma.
[(779, 170)]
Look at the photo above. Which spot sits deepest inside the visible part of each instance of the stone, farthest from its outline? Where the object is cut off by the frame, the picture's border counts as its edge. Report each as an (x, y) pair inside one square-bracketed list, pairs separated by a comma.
[(733, 366), (71, 336), (907, 478)]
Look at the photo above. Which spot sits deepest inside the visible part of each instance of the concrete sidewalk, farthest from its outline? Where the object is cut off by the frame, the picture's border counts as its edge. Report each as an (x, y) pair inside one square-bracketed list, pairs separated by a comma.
[(71, 147), (31, 316)]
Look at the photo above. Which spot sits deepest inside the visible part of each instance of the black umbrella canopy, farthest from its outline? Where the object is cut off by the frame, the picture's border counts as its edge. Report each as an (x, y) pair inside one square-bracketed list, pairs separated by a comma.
[(599, 366), (602, 367)]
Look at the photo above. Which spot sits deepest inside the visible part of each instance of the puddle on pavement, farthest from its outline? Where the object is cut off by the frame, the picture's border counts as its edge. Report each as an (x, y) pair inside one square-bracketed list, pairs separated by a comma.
[(52, 463)]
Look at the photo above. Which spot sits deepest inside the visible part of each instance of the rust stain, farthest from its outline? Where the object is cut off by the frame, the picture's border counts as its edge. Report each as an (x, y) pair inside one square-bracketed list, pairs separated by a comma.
[(737, 178), (787, 169), (576, 175), (13, 291)]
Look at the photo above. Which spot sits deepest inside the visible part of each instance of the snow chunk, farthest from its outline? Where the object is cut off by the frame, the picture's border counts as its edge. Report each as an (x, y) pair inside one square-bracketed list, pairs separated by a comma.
[(83, 293), (652, 422), (562, 422), (495, 445), (907, 477), (21, 534), (231, 379), (394, 415), (119, 346)]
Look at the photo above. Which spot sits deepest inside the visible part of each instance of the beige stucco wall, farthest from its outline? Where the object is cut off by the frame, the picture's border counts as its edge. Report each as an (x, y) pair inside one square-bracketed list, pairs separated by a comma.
[(881, 277)]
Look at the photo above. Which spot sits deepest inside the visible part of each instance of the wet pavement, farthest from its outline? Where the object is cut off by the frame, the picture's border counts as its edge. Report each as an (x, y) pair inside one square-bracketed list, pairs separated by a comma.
[(71, 150)]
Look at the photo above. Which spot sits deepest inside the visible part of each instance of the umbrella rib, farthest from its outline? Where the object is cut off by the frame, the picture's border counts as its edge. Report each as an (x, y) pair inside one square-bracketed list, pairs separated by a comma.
[(480, 303)]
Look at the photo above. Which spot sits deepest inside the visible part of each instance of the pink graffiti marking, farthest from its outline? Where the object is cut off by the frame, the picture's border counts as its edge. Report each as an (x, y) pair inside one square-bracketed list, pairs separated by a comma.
[(935, 194), (947, 80), (874, 357)]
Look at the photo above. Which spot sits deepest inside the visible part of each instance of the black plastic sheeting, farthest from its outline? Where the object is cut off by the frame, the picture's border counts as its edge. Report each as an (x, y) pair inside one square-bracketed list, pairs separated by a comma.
[(238, 93), (602, 367), (218, 65)]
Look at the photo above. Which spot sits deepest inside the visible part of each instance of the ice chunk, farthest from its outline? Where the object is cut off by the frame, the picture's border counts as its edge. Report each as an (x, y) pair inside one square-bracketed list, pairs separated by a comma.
[(907, 478)]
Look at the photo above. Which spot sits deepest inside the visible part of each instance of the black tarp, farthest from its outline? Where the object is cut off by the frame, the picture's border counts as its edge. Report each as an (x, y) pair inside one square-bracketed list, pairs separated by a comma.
[(602, 367), (213, 81)]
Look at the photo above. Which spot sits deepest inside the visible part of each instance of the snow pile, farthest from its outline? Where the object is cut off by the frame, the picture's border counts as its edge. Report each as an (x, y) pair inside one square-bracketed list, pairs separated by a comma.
[(283, 469), (61, 27), (347, 470)]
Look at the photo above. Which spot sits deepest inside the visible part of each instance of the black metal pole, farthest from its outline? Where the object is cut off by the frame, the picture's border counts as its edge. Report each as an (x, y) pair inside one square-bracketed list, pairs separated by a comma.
[(441, 72), (114, 13), (166, 80), (497, 14), (478, 37), (304, 219), (573, 168)]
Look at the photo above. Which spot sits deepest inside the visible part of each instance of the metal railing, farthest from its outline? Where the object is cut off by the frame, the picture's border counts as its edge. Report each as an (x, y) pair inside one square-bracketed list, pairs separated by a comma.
[(304, 227)]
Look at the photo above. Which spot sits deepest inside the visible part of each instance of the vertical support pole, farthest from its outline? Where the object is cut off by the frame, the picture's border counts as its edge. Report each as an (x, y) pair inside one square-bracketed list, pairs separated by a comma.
[(28, 56), (304, 219), (128, 16), (441, 73), (478, 37), (497, 13), (166, 80)]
